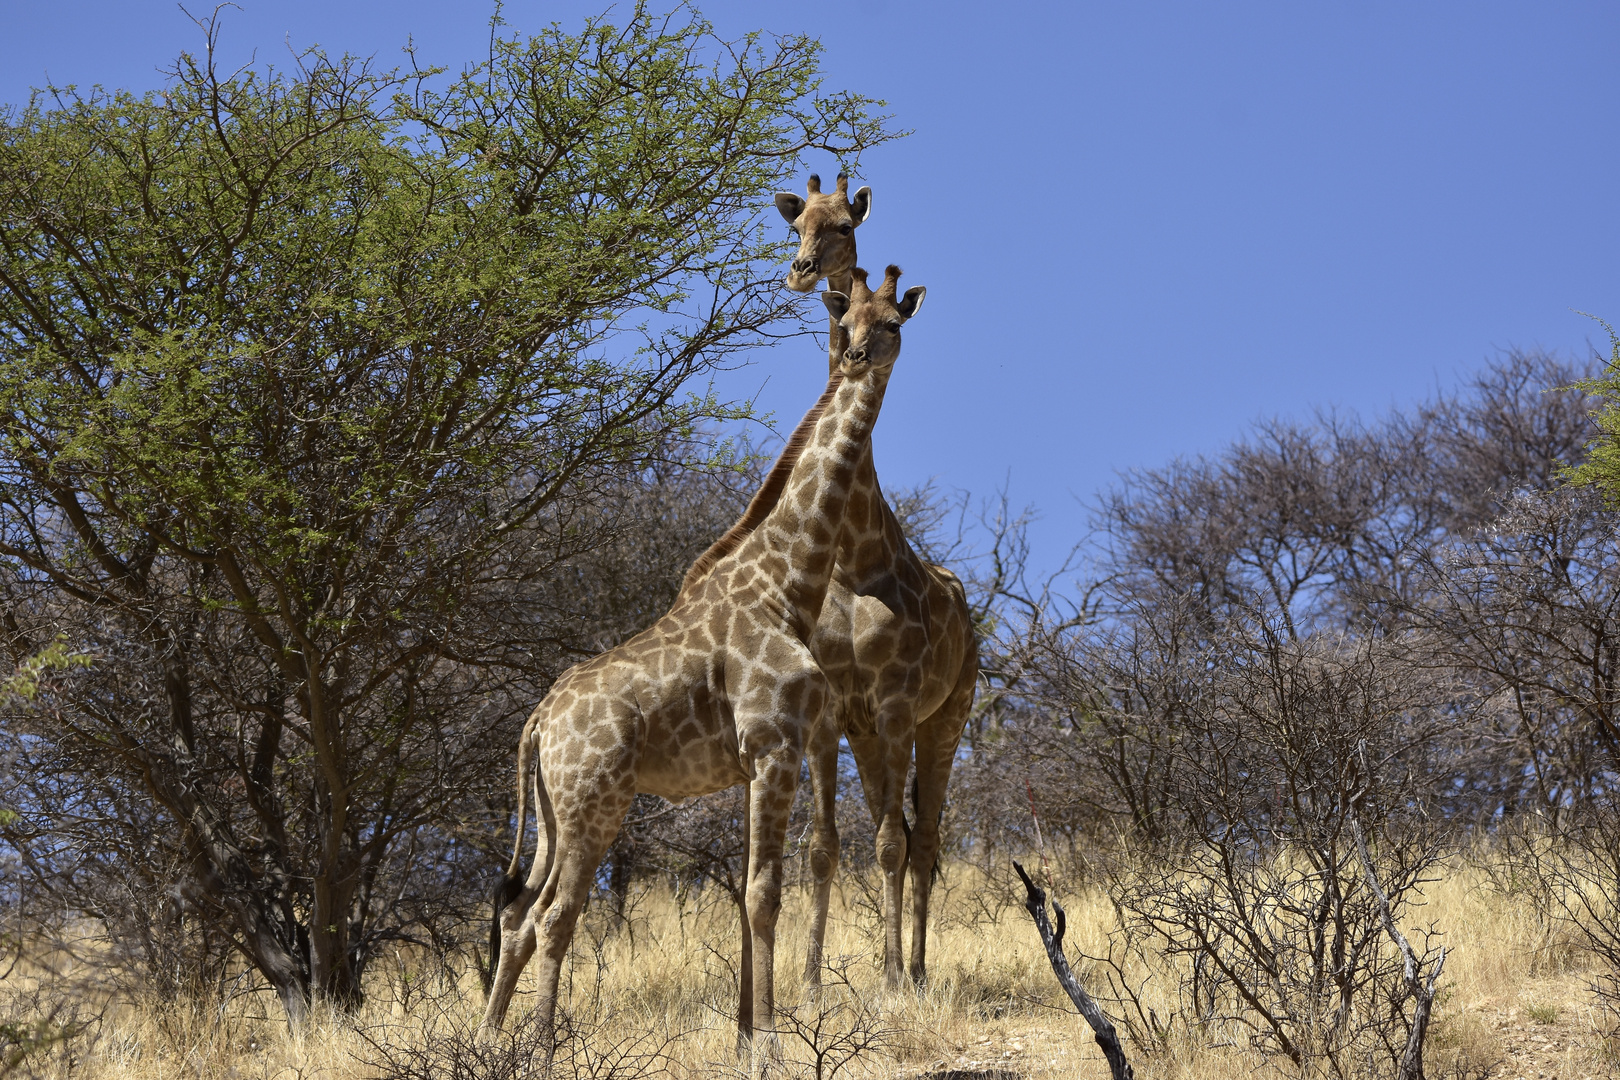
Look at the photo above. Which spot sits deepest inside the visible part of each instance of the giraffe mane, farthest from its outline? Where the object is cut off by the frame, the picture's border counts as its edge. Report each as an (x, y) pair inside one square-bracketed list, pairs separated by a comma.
[(765, 499)]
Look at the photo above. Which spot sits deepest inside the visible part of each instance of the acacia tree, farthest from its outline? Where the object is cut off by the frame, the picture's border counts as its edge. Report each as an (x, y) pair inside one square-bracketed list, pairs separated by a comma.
[(1528, 609), (306, 379), (1421, 520)]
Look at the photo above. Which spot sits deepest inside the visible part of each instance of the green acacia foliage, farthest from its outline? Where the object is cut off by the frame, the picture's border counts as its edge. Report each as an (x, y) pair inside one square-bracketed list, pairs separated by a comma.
[(308, 380), (1601, 468)]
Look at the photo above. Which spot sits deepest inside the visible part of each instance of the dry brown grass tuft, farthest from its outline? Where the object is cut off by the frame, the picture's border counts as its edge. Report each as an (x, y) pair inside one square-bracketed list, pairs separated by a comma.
[(656, 994)]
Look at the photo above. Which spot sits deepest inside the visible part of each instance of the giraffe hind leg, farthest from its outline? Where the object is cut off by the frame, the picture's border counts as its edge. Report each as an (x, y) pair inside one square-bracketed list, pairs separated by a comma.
[(515, 935), (514, 940), (935, 748), (546, 911), (511, 888)]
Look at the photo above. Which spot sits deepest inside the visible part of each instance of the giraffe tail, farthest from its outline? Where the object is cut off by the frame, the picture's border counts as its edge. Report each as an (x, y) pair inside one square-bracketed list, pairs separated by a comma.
[(525, 751), (510, 886)]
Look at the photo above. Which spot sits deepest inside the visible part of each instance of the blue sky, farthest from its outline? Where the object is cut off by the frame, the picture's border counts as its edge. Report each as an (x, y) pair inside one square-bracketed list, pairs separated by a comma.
[(1141, 225)]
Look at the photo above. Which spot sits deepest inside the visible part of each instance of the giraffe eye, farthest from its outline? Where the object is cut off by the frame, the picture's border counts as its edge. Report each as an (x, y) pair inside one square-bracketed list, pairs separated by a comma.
[(846, 229), (893, 328)]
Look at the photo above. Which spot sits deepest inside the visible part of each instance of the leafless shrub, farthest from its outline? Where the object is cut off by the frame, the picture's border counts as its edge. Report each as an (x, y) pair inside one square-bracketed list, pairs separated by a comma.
[(839, 1027), (1121, 984), (1330, 622), (44, 1034), (1332, 525), (1528, 609), (1576, 873), (577, 1050), (1261, 905)]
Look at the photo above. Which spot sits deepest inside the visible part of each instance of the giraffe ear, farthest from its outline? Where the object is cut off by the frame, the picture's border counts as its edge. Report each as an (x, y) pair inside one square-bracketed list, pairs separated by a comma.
[(790, 205), (837, 303), (910, 302), (861, 205)]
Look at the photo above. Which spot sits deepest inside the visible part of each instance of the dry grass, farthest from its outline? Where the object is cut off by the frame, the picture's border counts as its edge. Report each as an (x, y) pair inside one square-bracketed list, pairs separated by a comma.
[(660, 988)]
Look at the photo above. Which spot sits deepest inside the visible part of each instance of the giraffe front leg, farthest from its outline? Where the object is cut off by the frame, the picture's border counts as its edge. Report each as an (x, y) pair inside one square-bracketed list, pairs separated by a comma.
[(823, 758), (770, 801), (745, 963), (883, 758)]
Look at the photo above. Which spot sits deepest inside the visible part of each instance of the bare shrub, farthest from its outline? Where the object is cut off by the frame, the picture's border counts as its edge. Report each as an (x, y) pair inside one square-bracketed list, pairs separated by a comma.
[(839, 1027), (43, 1033), (1528, 609), (1328, 525), (1262, 906), (1576, 871), (450, 1049)]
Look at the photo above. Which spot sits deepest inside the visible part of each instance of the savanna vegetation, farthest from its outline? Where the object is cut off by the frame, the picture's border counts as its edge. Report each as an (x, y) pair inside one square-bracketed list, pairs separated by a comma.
[(344, 408)]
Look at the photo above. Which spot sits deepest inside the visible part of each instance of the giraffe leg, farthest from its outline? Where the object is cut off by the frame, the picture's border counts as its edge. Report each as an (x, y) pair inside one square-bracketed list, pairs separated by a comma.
[(893, 840), (877, 761), (883, 760), (586, 815), (516, 946), (823, 758), (745, 962), (515, 922), (770, 800), (576, 872), (937, 739)]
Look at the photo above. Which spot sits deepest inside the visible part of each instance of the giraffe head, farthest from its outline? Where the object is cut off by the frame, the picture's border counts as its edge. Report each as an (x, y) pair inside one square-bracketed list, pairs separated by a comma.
[(871, 320), (826, 227)]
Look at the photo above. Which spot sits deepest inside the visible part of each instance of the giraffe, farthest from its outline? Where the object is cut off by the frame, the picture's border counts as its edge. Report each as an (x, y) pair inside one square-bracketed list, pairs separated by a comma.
[(722, 690), (895, 641), (826, 224)]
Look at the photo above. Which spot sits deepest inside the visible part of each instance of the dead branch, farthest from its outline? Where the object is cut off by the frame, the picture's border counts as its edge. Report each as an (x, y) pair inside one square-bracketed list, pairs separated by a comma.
[(1107, 1037)]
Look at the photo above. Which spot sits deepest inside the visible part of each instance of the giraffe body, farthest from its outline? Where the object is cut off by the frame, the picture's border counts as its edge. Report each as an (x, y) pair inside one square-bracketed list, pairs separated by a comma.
[(722, 690), (895, 640)]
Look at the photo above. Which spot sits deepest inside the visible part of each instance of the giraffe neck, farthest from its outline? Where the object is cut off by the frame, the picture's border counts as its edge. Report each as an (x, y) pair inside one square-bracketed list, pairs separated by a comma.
[(858, 557), (759, 507), (872, 535), (837, 340), (798, 541)]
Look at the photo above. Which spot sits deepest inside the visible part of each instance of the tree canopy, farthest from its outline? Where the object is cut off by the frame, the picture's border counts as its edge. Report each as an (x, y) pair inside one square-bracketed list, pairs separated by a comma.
[(310, 379)]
